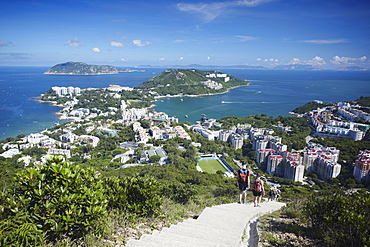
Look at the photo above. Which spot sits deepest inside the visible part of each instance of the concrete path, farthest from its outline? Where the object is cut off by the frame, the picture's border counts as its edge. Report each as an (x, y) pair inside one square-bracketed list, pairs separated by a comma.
[(219, 226)]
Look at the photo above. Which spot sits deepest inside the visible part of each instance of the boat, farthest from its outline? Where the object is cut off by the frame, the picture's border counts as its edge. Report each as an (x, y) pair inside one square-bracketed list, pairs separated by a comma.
[(186, 116), (182, 99), (222, 102)]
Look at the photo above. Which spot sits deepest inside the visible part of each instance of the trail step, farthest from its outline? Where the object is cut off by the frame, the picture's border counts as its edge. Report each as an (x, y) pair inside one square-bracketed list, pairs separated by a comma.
[(217, 226)]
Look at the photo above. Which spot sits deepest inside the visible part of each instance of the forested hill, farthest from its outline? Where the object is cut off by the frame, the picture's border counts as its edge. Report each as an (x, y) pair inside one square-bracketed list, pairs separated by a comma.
[(78, 68), (191, 82)]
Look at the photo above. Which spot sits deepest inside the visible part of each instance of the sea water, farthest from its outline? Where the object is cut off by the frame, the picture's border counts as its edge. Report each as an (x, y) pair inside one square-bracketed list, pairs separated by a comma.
[(271, 92)]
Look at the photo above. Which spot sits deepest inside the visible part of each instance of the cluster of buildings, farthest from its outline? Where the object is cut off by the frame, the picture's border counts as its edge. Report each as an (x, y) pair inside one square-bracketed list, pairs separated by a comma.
[(316, 158), (63, 91), (212, 84), (219, 75), (327, 127), (269, 148), (159, 133), (279, 161), (353, 112), (361, 171)]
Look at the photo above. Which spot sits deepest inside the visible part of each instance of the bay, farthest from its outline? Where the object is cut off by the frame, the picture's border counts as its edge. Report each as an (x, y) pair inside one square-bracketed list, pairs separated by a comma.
[(21, 114), (271, 92)]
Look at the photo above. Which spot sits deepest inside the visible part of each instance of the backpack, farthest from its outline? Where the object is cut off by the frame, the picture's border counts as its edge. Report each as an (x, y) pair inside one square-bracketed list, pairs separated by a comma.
[(257, 185), (243, 175)]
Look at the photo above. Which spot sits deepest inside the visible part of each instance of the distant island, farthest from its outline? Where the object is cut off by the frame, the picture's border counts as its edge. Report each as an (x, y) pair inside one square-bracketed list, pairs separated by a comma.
[(191, 66), (191, 82), (297, 67), (79, 68), (352, 68)]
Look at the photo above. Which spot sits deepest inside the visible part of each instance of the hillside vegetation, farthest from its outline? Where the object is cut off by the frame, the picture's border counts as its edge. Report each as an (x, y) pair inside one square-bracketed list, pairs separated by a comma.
[(78, 68), (191, 82)]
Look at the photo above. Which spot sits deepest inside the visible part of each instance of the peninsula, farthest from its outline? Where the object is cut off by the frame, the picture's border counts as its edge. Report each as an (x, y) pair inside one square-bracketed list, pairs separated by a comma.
[(79, 68), (191, 82)]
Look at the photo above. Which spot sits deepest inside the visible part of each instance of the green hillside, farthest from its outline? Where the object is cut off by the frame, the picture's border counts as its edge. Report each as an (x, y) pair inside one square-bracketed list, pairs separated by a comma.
[(191, 82), (78, 68)]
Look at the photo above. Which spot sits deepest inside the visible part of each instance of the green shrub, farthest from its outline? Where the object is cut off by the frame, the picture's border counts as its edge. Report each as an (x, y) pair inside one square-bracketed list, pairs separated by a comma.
[(342, 218), (17, 231), (179, 192), (61, 199), (138, 195)]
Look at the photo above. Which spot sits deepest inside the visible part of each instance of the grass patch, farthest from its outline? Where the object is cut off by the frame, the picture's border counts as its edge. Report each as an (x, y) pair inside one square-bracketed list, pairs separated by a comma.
[(211, 166)]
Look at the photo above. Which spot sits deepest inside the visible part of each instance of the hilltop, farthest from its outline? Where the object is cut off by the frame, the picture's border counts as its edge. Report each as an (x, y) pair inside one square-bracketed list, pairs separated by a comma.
[(79, 68), (191, 82)]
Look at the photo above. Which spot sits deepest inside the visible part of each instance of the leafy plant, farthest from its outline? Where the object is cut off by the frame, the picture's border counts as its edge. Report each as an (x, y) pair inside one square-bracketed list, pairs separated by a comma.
[(61, 199), (343, 218)]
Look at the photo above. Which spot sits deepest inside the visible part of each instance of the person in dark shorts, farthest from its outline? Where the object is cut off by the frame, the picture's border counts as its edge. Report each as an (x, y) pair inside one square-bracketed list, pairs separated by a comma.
[(258, 190), (243, 182)]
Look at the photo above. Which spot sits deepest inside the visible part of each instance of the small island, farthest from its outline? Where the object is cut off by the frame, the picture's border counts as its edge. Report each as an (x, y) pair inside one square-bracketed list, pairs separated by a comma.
[(79, 68)]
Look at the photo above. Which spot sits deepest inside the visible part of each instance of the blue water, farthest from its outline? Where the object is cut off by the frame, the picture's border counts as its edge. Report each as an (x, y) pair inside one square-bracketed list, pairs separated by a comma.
[(271, 92), (21, 114)]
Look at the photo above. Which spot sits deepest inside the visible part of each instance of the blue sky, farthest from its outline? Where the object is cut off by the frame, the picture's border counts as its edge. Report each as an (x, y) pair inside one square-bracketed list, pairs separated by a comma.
[(327, 34)]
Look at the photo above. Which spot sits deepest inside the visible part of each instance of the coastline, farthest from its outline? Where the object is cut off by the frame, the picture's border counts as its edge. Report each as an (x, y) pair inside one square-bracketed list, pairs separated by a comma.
[(198, 95), (53, 103), (109, 73)]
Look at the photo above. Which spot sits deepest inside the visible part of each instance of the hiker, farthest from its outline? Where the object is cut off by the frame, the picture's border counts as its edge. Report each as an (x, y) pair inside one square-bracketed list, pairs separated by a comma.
[(271, 195), (277, 195), (258, 190), (243, 182)]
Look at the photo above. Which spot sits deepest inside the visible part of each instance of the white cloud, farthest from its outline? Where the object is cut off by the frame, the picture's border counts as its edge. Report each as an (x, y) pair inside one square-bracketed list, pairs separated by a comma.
[(116, 44), (7, 43), (326, 41), (316, 61), (123, 60), (245, 38), (139, 43), (295, 61), (161, 59), (347, 60), (96, 49), (210, 11), (271, 60), (259, 59), (208, 58), (179, 41), (181, 58), (73, 43)]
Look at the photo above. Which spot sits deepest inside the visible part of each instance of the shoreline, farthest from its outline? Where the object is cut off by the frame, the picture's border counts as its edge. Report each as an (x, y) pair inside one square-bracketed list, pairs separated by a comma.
[(110, 73), (63, 116), (198, 95), (53, 103)]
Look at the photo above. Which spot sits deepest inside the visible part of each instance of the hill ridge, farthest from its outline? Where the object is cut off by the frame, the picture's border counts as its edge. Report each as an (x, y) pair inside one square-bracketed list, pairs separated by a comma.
[(80, 68)]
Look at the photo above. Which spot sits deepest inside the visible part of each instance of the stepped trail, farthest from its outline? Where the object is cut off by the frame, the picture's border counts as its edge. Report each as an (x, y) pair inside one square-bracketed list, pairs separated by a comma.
[(226, 225)]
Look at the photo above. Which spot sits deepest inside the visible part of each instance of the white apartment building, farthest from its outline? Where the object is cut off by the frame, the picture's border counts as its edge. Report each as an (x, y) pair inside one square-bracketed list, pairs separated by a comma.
[(64, 152), (294, 171), (236, 140), (361, 171), (326, 167), (275, 164)]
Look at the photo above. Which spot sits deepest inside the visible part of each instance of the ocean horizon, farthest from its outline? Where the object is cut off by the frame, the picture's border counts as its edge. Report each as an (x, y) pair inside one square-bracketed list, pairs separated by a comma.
[(271, 92)]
